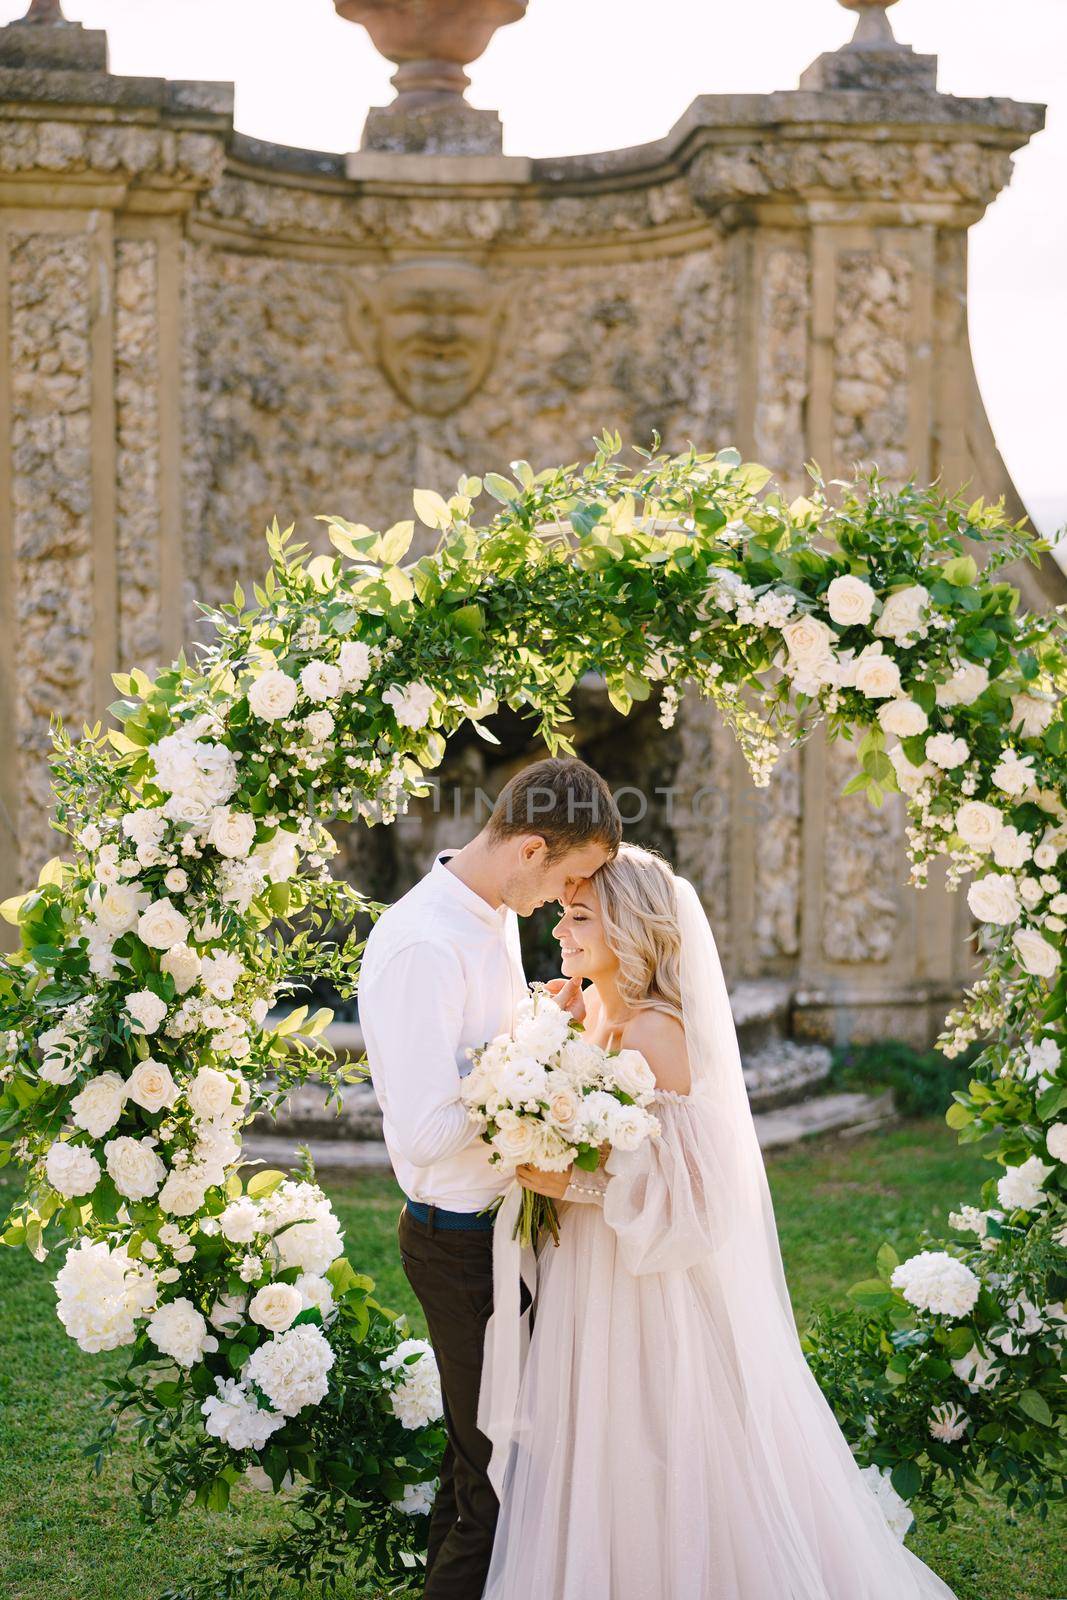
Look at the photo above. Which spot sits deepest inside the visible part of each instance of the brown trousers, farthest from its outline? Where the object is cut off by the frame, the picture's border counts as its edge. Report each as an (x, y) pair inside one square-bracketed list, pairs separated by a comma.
[(452, 1276)]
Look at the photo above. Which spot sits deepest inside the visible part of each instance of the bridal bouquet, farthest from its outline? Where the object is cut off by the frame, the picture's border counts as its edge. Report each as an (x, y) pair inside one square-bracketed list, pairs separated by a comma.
[(548, 1097)]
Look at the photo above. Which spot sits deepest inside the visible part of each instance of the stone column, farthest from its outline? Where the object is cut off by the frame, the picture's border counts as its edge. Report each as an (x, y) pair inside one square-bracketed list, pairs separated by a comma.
[(95, 173)]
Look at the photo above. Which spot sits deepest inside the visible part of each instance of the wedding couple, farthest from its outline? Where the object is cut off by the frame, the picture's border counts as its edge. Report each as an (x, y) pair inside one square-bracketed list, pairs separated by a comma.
[(648, 1428)]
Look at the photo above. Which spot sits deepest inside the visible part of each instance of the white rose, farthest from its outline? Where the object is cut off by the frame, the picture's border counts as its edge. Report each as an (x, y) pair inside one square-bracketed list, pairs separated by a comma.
[(903, 718), (146, 1009), (967, 682), (319, 726), (176, 880), (275, 1305), (99, 1105), (272, 696), (1011, 848), (562, 1106), (210, 1094), (162, 925), (71, 1169), (220, 972), (279, 857), (227, 1314), (89, 837), (183, 965), (320, 681), (875, 674), (179, 1331), (1013, 774), (628, 1127), (151, 1086), (994, 899), (901, 616), (118, 908), (1032, 714), (849, 600), (1035, 954), (188, 808), (947, 752), (354, 663), (808, 640), (978, 824), (231, 832), (134, 1167), (1055, 1141), (411, 704), (631, 1073)]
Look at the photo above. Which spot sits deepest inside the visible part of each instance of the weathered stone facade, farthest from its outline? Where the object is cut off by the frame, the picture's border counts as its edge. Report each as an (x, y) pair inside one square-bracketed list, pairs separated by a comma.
[(201, 331)]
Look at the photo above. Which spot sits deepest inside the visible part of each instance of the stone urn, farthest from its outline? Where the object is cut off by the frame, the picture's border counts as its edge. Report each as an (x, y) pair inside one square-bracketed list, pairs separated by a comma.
[(431, 41)]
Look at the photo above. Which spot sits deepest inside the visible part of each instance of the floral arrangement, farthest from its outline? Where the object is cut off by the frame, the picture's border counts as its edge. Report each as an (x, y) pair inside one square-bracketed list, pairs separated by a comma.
[(547, 1095), (138, 1024)]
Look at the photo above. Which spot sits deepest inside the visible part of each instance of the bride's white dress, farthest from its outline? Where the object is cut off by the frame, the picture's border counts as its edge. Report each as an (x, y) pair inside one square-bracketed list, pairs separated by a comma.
[(643, 1457)]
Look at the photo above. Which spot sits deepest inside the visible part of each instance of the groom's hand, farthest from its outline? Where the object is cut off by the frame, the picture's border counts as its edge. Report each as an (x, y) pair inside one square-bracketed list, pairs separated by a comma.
[(551, 1184), (567, 993)]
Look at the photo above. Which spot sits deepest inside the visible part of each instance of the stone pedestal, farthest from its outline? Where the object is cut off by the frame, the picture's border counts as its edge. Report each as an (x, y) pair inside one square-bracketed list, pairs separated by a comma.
[(53, 46)]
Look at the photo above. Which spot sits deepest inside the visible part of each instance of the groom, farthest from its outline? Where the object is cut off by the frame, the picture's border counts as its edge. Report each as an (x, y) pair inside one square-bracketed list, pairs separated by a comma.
[(442, 974)]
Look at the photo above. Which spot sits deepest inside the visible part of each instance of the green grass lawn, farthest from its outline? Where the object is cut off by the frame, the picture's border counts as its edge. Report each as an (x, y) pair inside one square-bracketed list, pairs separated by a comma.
[(67, 1536)]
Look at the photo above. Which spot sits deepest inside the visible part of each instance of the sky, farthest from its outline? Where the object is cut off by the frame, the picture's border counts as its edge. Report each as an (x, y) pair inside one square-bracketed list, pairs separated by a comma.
[(580, 75)]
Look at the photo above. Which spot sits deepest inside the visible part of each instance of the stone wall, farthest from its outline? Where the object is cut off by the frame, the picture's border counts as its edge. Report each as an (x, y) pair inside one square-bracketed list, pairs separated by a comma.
[(202, 332)]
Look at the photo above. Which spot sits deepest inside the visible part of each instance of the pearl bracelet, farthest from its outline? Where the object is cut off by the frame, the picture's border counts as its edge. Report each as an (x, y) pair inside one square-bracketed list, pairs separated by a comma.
[(584, 1188)]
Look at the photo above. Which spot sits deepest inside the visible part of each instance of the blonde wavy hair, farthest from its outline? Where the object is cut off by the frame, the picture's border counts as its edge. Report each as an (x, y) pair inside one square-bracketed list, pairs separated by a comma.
[(635, 891)]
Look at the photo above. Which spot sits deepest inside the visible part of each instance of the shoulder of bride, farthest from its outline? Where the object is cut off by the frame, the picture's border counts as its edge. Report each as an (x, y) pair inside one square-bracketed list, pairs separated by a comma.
[(660, 1038)]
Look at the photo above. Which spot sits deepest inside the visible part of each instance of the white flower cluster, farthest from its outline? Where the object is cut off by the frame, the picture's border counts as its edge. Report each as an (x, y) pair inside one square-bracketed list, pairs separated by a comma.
[(101, 1294), (294, 1225), (895, 1510), (936, 1282), (414, 1385), (545, 1093)]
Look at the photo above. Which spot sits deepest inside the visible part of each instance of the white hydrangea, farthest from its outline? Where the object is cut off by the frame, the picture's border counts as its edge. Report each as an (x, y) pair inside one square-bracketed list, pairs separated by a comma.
[(292, 1368), (98, 1106), (146, 1009), (416, 1400), (1020, 1189), (320, 680), (134, 1167), (177, 1329), (233, 1416), (203, 772), (101, 1292), (71, 1169), (311, 1246), (937, 1282), (316, 1291), (947, 752), (354, 661), (967, 682), (1056, 1141), (220, 972), (241, 1220)]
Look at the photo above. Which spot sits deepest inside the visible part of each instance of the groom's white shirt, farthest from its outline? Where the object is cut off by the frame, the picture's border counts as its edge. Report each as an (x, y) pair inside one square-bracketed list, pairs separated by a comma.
[(441, 974)]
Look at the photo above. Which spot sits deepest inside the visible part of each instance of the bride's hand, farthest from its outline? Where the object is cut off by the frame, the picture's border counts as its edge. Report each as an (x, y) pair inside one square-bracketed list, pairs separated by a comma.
[(551, 1184), (567, 993)]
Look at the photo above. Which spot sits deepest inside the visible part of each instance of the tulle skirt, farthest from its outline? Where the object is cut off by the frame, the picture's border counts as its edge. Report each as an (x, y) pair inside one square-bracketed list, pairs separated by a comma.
[(638, 1471)]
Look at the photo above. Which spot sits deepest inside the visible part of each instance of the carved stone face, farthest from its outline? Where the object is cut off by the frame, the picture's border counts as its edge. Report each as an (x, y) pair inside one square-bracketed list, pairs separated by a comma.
[(432, 329)]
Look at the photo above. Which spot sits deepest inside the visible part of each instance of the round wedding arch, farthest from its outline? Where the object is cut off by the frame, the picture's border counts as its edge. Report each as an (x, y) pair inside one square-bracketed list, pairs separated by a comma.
[(136, 1015)]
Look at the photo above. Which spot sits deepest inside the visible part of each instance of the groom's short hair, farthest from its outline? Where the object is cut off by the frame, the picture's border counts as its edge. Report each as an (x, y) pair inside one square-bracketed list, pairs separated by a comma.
[(561, 799)]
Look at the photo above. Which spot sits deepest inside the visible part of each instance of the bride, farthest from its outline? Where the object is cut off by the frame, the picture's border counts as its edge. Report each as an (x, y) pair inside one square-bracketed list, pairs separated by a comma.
[(658, 1435)]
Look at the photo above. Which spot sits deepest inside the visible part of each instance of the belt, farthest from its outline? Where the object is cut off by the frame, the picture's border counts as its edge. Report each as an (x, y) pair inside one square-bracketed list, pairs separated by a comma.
[(454, 1221)]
